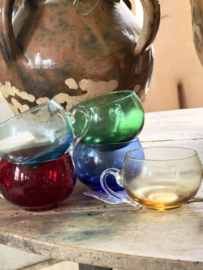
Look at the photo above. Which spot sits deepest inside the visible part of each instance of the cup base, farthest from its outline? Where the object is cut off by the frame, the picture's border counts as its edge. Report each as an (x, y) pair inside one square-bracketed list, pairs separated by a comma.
[(39, 209), (160, 198), (163, 208)]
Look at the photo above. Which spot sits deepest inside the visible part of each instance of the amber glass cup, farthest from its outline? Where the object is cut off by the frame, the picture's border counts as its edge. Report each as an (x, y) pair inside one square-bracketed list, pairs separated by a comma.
[(116, 117), (165, 178)]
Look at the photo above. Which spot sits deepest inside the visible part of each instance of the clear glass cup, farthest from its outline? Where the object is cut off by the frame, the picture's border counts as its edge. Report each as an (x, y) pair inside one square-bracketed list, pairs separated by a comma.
[(44, 132), (164, 178)]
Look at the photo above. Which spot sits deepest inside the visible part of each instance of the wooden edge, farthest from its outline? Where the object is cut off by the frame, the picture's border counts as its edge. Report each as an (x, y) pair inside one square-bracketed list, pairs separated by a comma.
[(40, 265), (90, 267), (94, 257)]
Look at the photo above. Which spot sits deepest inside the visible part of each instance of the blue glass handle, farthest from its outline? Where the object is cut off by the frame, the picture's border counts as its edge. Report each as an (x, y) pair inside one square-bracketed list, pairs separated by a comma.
[(117, 174)]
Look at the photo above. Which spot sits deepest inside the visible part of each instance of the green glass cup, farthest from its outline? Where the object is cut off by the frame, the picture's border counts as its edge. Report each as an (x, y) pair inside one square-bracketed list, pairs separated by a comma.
[(116, 117)]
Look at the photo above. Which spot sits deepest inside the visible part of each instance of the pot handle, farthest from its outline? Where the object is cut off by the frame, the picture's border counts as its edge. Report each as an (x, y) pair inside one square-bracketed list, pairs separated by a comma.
[(8, 46), (152, 15)]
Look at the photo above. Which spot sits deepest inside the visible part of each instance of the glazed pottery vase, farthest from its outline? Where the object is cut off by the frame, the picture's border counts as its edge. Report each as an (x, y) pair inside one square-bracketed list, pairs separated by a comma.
[(55, 51), (92, 159), (197, 26)]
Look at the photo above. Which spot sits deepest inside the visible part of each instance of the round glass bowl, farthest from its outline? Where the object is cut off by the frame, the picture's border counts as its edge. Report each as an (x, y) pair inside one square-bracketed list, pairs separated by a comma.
[(116, 117), (164, 178), (38, 186), (92, 160)]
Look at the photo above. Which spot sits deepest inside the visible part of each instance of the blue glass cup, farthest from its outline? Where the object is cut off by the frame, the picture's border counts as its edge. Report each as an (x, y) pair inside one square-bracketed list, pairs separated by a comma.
[(44, 132), (92, 159)]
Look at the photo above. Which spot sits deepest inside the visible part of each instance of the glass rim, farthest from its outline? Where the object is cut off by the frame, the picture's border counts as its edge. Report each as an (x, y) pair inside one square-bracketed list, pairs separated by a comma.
[(162, 160), (105, 144), (33, 163), (131, 92), (32, 109)]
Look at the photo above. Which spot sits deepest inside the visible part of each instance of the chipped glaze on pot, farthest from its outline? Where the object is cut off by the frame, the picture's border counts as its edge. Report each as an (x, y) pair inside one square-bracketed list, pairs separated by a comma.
[(197, 26), (55, 52)]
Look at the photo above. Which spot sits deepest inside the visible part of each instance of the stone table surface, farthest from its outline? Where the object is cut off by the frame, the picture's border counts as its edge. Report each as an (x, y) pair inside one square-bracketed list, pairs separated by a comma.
[(89, 231)]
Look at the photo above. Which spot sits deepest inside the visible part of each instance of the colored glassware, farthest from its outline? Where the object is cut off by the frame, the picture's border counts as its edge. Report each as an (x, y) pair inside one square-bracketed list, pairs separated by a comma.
[(38, 186), (164, 178), (116, 117), (92, 160), (44, 132)]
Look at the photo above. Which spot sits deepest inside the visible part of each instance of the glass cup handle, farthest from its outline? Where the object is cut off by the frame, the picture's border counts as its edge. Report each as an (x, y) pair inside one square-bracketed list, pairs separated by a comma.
[(117, 174), (87, 113)]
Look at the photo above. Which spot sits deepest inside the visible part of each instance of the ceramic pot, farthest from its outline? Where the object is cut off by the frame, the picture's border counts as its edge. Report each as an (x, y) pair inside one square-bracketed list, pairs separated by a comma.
[(92, 160), (53, 51), (197, 26)]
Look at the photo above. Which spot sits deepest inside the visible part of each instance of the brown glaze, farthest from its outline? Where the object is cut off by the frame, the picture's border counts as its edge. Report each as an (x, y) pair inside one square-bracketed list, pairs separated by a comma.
[(197, 25), (55, 52)]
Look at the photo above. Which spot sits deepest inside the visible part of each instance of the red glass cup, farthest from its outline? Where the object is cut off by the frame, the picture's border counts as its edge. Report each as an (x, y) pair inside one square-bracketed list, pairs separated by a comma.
[(38, 186)]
